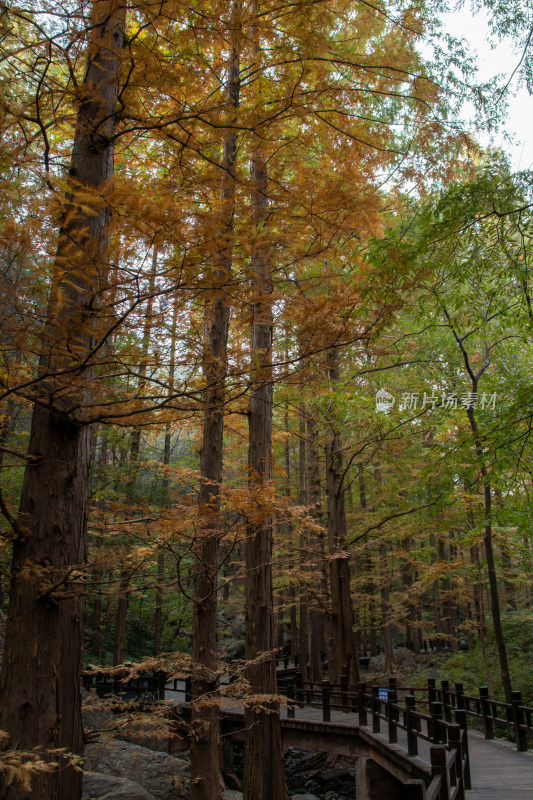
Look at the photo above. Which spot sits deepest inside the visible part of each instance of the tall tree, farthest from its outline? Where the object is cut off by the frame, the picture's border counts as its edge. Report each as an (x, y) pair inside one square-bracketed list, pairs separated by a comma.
[(264, 776), (40, 683), (206, 743)]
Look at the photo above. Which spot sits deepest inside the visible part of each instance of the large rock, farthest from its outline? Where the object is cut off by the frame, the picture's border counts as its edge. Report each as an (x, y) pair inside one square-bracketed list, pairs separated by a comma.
[(376, 664), (96, 715), (304, 797), (105, 787), (230, 794), (164, 777)]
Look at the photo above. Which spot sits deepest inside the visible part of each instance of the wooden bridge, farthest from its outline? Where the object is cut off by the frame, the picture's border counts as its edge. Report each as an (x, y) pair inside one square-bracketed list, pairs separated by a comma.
[(410, 743)]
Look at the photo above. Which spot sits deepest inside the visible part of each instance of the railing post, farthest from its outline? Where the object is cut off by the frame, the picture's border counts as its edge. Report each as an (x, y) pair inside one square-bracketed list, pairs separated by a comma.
[(454, 742), (460, 695), (411, 725), (376, 705), (344, 692), (439, 768), (361, 704), (445, 697), (298, 689), (488, 727), (518, 721), (188, 690), (290, 697), (432, 692), (436, 718), (461, 720), (393, 715), (326, 701)]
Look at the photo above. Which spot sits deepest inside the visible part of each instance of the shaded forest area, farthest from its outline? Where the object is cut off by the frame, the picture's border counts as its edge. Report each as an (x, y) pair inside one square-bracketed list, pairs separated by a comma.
[(265, 379)]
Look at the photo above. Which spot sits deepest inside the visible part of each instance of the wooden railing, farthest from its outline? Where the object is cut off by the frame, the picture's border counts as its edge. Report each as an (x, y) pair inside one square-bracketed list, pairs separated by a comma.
[(434, 714), (380, 709), (515, 718)]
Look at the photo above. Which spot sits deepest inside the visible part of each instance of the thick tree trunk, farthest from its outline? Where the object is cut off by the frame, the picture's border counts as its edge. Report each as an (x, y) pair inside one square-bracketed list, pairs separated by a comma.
[(206, 742), (264, 776), (40, 681)]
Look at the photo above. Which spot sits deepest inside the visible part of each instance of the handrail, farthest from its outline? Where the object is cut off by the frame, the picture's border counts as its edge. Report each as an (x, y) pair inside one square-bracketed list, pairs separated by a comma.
[(489, 712), (451, 771)]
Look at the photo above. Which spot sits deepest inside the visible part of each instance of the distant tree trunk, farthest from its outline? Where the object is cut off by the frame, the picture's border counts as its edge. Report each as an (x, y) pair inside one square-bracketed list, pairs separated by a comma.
[(264, 776), (40, 681), (135, 445), (491, 565), (435, 596), (318, 617), (508, 586), (206, 743), (96, 627), (291, 592), (105, 633), (385, 609), (121, 617), (165, 485), (370, 588), (304, 550), (345, 657), (385, 590)]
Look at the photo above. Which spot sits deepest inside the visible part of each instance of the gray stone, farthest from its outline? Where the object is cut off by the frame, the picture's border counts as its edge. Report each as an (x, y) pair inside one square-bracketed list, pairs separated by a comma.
[(238, 626), (164, 776), (376, 664), (304, 797), (230, 794), (97, 786), (96, 715)]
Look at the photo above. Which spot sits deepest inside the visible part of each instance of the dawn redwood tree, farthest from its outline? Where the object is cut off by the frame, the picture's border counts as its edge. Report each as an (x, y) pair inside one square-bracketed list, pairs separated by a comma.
[(206, 742), (40, 681), (344, 659), (264, 776)]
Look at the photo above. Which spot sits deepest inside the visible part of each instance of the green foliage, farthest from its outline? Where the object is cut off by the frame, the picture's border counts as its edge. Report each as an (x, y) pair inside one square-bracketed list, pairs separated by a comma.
[(468, 667)]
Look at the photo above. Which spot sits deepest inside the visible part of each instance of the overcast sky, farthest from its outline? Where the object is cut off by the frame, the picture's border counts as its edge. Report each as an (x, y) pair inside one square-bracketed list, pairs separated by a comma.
[(503, 59)]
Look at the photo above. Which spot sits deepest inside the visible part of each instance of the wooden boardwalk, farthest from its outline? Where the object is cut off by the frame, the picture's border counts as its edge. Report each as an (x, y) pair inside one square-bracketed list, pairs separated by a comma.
[(498, 770)]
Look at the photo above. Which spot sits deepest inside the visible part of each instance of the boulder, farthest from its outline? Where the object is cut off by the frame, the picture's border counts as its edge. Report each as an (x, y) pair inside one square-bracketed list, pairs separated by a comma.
[(238, 626), (97, 786), (304, 797), (376, 664), (164, 777), (231, 794), (96, 715)]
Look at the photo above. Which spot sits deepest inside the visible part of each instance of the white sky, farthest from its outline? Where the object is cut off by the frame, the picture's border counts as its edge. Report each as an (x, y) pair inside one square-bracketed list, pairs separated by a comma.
[(503, 59)]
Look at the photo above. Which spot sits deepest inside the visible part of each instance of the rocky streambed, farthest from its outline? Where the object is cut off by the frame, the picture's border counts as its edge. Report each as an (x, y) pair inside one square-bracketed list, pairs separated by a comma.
[(119, 767), (120, 770)]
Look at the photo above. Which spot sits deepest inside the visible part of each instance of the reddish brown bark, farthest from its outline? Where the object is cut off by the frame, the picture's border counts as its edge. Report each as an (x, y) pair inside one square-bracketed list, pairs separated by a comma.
[(206, 742), (344, 656), (318, 619), (264, 777), (40, 681)]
